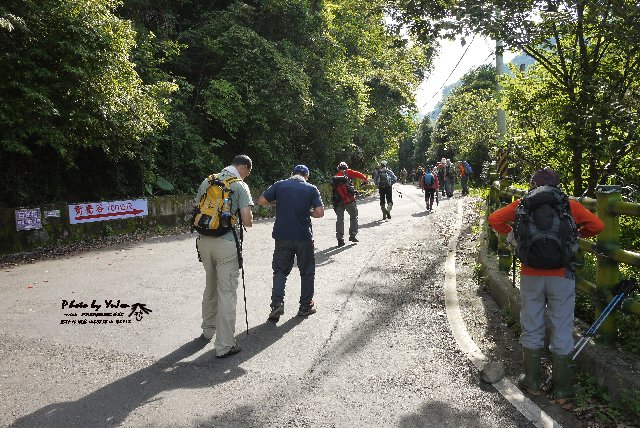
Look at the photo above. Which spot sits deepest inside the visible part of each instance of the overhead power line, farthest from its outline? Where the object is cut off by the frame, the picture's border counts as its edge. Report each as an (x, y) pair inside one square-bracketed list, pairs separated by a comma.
[(454, 69)]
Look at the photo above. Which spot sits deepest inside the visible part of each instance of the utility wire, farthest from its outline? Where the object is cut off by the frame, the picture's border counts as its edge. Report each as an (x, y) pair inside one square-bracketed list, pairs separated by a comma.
[(454, 69)]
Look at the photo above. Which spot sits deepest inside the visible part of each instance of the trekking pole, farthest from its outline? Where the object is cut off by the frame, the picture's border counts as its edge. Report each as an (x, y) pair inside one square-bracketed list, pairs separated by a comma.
[(621, 290), (241, 265), (244, 294)]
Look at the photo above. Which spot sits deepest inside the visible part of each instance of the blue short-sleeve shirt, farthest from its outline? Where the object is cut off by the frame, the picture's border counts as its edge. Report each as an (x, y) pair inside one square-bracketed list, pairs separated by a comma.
[(294, 198)]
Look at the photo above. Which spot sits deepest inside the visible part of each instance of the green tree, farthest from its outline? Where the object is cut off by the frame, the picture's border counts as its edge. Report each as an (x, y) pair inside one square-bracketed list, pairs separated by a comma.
[(467, 126), (422, 144), (588, 48), (286, 81), (73, 109)]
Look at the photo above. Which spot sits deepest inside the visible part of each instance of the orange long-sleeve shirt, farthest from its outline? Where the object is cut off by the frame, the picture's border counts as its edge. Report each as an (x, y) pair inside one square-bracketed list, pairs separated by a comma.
[(588, 225)]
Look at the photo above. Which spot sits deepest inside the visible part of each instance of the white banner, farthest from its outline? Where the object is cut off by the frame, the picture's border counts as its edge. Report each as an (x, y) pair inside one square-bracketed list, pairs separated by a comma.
[(100, 211)]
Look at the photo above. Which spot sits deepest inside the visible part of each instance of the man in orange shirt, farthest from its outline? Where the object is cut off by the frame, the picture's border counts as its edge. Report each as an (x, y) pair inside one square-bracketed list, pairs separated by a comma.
[(553, 286)]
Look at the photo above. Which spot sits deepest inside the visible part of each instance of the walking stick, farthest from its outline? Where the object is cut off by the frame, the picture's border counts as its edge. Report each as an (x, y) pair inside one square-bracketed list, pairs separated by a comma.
[(620, 291), (241, 265)]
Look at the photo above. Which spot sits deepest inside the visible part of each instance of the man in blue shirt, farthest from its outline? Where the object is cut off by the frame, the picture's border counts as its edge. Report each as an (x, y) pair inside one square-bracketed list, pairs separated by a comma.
[(296, 201)]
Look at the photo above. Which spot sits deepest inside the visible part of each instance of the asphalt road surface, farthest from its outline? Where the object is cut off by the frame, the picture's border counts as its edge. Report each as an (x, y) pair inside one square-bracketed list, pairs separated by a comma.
[(378, 353)]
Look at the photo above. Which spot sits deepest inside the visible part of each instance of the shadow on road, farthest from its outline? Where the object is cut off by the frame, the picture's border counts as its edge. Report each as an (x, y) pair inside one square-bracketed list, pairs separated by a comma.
[(439, 414), (111, 404), (324, 257), (371, 224)]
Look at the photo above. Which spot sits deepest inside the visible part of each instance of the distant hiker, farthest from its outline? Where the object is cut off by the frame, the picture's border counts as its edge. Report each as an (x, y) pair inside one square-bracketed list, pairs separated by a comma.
[(429, 185), (384, 179), (403, 176), (419, 174), (344, 198), (296, 201), (440, 173), (546, 225), (449, 177), (464, 171), (223, 207)]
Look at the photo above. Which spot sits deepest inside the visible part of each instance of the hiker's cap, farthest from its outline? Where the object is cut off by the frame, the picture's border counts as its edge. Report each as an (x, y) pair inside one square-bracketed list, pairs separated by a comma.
[(545, 177), (300, 169), (383, 163), (343, 165)]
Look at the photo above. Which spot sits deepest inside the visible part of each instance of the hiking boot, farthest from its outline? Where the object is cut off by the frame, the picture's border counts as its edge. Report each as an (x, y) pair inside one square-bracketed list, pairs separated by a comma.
[(340, 242), (276, 312), (353, 239), (306, 310), (234, 350)]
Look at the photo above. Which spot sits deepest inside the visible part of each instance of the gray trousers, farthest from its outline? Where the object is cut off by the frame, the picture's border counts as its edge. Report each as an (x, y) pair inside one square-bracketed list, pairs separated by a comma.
[(220, 260), (352, 209), (558, 295)]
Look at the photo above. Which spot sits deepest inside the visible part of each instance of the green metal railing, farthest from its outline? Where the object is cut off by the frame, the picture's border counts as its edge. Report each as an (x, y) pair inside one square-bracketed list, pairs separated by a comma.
[(609, 206)]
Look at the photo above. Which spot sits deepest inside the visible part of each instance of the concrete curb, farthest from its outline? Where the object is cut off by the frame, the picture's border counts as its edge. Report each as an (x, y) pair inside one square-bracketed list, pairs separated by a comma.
[(505, 387), (614, 369)]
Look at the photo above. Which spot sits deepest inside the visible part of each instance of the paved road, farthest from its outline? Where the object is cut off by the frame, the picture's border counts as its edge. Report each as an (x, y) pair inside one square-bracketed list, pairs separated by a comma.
[(379, 352)]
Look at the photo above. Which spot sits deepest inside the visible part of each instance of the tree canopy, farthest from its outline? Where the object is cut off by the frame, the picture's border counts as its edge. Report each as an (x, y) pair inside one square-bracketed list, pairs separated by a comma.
[(110, 99), (589, 62)]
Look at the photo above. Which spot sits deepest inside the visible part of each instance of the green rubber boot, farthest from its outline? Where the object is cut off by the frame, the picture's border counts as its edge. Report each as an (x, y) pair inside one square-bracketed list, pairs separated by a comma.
[(530, 380), (562, 370)]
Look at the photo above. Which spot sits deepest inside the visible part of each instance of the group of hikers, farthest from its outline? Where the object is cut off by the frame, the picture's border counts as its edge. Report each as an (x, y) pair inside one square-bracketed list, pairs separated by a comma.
[(543, 227), (223, 209)]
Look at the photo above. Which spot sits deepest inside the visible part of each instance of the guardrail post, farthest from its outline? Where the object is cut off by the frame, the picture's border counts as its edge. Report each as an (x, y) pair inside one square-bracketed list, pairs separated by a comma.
[(504, 253), (607, 272)]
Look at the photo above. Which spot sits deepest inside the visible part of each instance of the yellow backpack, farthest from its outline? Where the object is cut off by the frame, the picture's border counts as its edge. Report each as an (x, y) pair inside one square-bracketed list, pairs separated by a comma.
[(212, 216)]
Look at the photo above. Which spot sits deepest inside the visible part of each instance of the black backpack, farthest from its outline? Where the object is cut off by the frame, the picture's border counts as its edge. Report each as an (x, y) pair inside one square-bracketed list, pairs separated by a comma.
[(384, 180), (545, 232)]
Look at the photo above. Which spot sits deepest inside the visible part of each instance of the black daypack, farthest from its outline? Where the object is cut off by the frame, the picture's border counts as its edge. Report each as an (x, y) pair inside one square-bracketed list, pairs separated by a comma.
[(545, 232), (384, 180)]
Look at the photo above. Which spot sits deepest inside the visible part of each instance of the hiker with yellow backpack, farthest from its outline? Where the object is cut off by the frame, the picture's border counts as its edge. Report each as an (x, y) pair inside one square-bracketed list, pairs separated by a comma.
[(223, 207)]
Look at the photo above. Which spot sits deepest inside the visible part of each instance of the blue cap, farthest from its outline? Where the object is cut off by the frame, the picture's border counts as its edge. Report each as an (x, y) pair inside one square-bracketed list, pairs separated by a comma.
[(300, 169)]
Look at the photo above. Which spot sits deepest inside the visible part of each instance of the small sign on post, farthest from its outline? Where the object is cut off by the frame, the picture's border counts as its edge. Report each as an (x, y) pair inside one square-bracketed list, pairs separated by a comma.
[(101, 211), (52, 214), (28, 219)]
